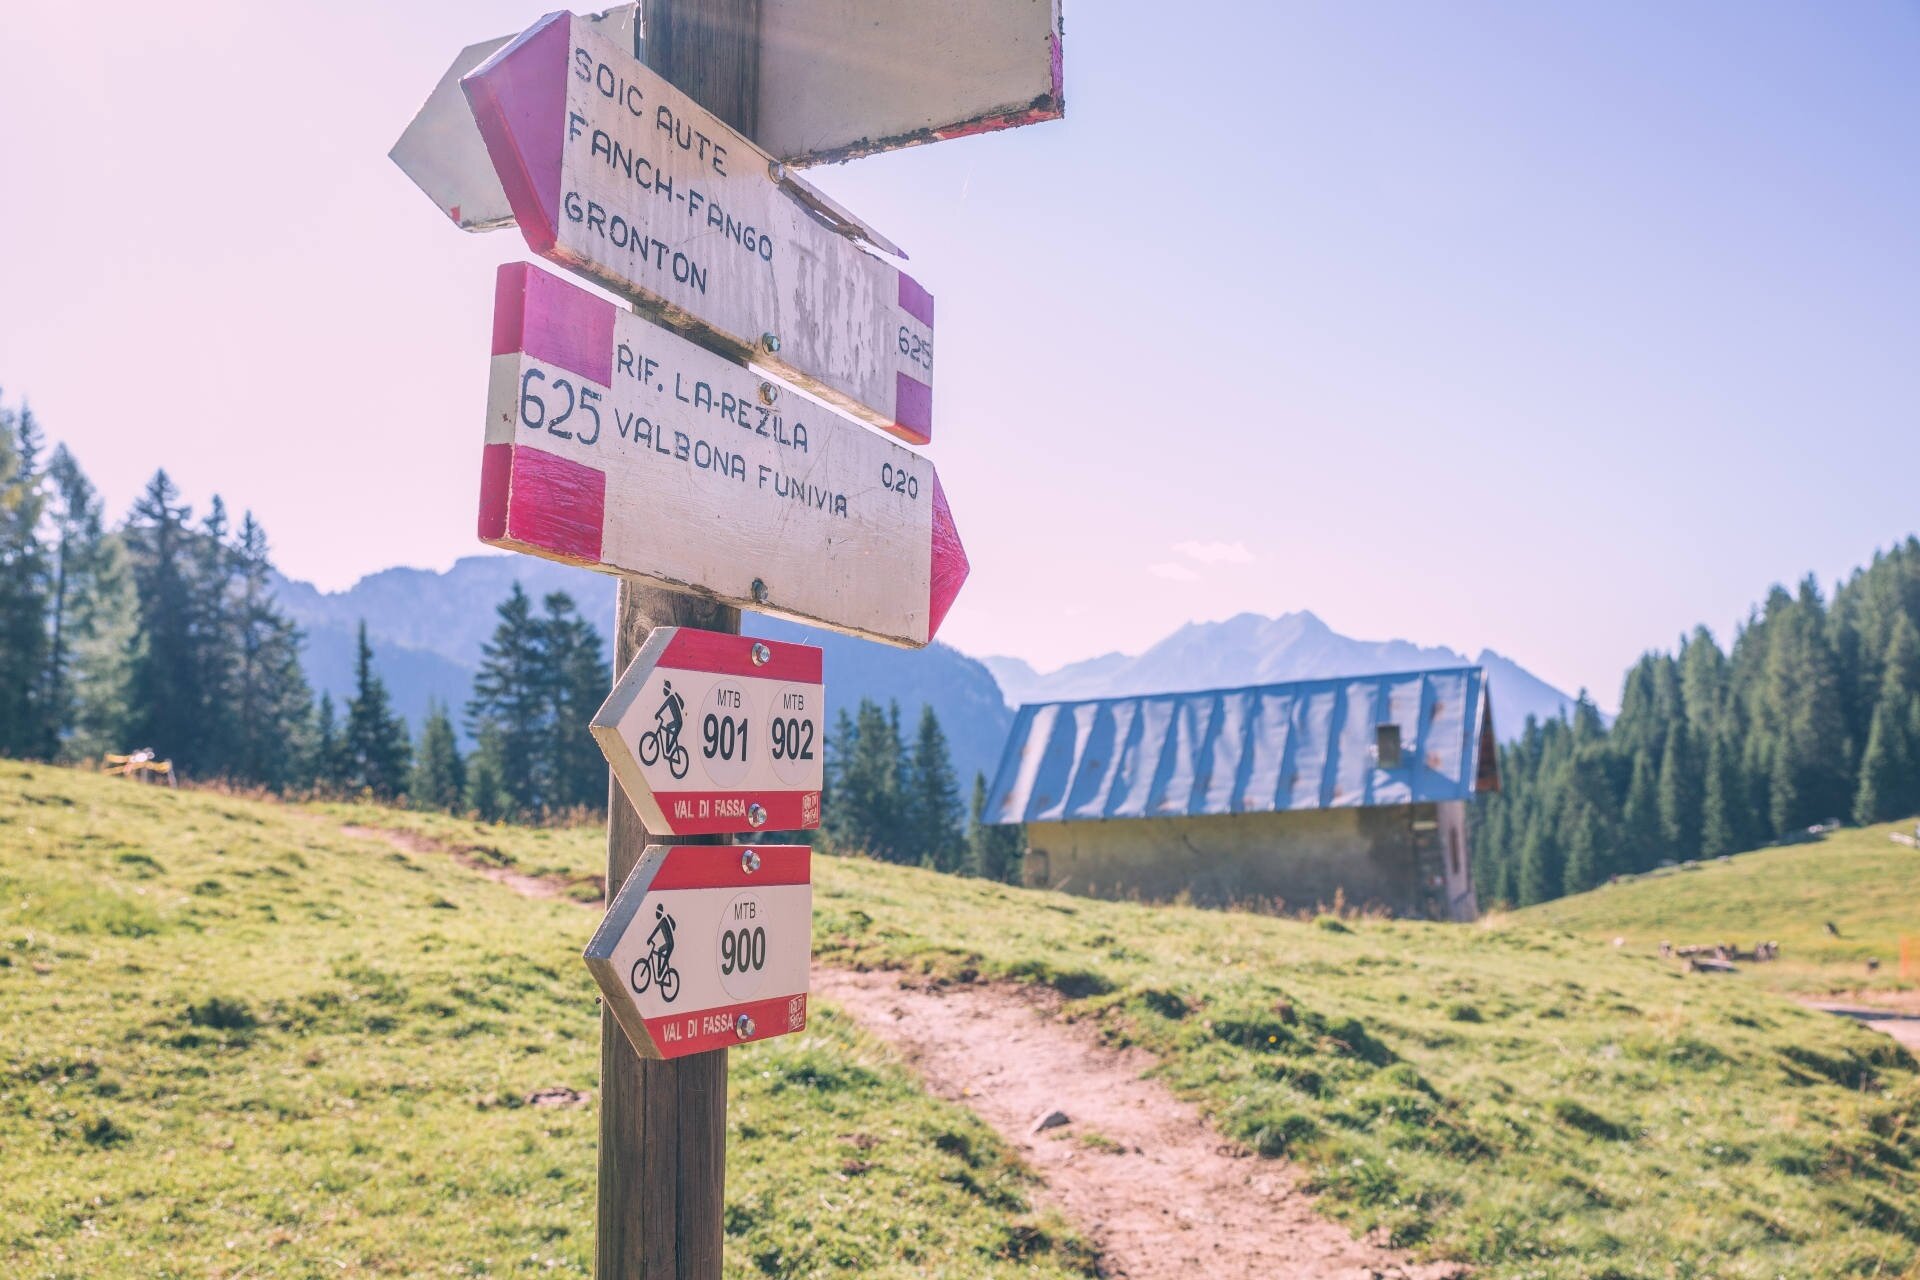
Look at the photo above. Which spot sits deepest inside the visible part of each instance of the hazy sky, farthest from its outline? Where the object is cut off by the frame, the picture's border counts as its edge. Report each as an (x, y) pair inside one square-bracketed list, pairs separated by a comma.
[(1552, 328)]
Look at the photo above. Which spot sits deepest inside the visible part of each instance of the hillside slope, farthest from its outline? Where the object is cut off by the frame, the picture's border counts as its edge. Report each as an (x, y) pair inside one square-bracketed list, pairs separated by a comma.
[(1541, 1105), (1857, 880), (236, 1041)]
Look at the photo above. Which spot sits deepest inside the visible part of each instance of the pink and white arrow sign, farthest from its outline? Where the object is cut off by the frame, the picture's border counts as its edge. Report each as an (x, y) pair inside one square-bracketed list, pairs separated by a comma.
[(619, 445), (613, 172)]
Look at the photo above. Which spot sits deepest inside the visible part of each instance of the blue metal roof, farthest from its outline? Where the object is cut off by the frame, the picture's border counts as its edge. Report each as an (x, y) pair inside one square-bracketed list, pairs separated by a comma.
[(1267, 749)]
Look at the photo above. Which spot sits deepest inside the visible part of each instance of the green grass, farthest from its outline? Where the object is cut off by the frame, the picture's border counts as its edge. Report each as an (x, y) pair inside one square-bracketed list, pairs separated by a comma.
[(235, 1042), (1510, 1094), (1867, 886)]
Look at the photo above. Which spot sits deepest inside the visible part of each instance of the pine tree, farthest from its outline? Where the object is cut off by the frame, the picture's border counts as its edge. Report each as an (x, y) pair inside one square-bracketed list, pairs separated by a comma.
[(268, 698), (1542, 867), (1721, 826), (933, 805), (576, 678), (1681, 789), (1642, 841), (216, 750), (163, 687), (328, 760), (439, 775), (26, 727), (863, 812), (487, 796), (92, 620), (507, 714), (375, 740)]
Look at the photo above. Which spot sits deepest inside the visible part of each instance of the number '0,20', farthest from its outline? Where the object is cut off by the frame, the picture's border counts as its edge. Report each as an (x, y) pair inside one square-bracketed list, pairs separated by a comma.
[(899, 480)]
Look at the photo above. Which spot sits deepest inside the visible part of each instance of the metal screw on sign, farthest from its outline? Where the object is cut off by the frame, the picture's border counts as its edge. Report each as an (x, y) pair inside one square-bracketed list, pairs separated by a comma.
[(743, 1026), (756, 815), (776, 171), (768, 393), (759, 591), (761, 654), (770, 341), (749, 860)]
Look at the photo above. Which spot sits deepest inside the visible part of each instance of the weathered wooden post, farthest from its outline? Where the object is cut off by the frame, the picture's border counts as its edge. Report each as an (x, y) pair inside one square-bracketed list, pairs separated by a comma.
[(663, 1125)]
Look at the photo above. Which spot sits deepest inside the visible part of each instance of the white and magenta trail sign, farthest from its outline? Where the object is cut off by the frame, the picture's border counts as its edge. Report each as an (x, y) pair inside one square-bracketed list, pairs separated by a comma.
[(707, 946), (613, 172), (716, 734), (621, 446)]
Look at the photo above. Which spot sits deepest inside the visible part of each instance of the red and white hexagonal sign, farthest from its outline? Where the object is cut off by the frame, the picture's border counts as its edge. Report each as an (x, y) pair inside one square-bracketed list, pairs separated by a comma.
[(707, 946), (715, 734)]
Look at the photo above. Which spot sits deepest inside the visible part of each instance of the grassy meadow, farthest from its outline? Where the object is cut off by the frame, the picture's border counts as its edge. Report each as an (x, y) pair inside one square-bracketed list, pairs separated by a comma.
[(1857, 880), (1517, 1094), (235, 1042)]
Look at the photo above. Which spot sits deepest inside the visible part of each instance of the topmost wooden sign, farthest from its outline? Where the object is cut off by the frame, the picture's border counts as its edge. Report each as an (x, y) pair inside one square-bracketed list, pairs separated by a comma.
[(613, 172), (838, 79)]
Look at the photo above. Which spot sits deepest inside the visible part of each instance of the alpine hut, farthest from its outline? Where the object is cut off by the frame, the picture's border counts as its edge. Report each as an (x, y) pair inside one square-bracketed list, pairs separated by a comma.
[(1350, 789)]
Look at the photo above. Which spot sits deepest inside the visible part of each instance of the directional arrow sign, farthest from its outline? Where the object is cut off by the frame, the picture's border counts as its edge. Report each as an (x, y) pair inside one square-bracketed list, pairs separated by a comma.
[(707, 946), (613, 172), (712, 734), (838, 79), (619, 445)]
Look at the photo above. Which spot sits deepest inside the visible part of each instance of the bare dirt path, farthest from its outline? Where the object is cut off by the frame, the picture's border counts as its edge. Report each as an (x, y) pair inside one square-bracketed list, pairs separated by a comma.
[(1903, 1027), (1159, 1193)]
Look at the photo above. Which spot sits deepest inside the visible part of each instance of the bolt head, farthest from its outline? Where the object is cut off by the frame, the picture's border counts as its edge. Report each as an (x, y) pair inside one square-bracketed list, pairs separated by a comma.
[(749, 859), (759, 591), (776, 171), (768, 393), (756, 816), (743, 1026), (770, 341), (761, 654)]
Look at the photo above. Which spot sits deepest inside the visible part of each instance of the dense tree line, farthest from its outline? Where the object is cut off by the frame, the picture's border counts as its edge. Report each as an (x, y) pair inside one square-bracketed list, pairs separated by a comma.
[(1813, 714), (163, 633), (900, 802)]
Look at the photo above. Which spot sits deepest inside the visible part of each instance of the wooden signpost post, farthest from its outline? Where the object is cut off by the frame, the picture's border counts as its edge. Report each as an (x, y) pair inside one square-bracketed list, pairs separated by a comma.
[(657, 455), (613, 172), (718, 734), (619, 445)]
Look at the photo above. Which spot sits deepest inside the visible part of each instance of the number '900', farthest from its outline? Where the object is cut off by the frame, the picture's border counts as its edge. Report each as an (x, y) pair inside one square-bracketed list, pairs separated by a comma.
[(742, 950)]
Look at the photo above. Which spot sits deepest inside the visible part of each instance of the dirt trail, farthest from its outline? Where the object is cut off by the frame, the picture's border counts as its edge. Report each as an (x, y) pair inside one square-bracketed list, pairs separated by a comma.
[(1903, 1027), (1153, 1186), (1156, 1188)]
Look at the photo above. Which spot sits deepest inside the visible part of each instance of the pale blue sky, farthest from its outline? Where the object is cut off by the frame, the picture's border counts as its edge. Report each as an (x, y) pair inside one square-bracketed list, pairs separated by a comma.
[(1554, 328)]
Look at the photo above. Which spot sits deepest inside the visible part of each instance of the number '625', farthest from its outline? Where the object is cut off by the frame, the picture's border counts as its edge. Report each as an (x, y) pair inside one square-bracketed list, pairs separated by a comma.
[(533, 407), (916, 349)]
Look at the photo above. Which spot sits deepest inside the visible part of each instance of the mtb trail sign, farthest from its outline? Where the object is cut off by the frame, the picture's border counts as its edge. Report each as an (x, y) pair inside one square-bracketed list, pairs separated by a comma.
[(716, 734), (614, 173), (616, 444), (707, 946)]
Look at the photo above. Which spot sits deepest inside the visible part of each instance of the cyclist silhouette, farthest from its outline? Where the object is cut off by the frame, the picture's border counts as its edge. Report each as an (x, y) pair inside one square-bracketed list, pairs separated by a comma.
[(655, 966), (664, 739)]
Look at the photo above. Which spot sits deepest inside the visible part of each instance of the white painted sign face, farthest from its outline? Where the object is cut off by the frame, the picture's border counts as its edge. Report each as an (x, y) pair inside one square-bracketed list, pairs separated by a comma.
[(838, 79), (614, 173), (707, 946), (618, 445), (714, 734)]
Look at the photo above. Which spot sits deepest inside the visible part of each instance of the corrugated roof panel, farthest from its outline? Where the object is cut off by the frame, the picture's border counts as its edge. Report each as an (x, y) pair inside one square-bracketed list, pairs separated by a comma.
[(1306, 745)]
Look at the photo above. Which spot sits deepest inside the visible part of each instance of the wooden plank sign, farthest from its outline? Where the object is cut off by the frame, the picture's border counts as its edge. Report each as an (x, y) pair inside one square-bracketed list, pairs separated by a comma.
[(619, 445), (613, 172), (707, 946), (715, 734), (838, 79)]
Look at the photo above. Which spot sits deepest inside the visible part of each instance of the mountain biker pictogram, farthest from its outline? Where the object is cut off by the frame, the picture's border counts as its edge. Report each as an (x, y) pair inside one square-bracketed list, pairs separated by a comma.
[(655, 966), (664, 738)]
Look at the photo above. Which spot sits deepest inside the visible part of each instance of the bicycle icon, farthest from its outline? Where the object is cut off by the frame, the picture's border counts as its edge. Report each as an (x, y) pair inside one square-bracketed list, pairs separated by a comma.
[(655, 966), (664, 738)]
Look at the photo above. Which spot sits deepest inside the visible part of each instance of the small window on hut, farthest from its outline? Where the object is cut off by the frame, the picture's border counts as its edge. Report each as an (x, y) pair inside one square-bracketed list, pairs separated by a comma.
[(1386, 746)]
